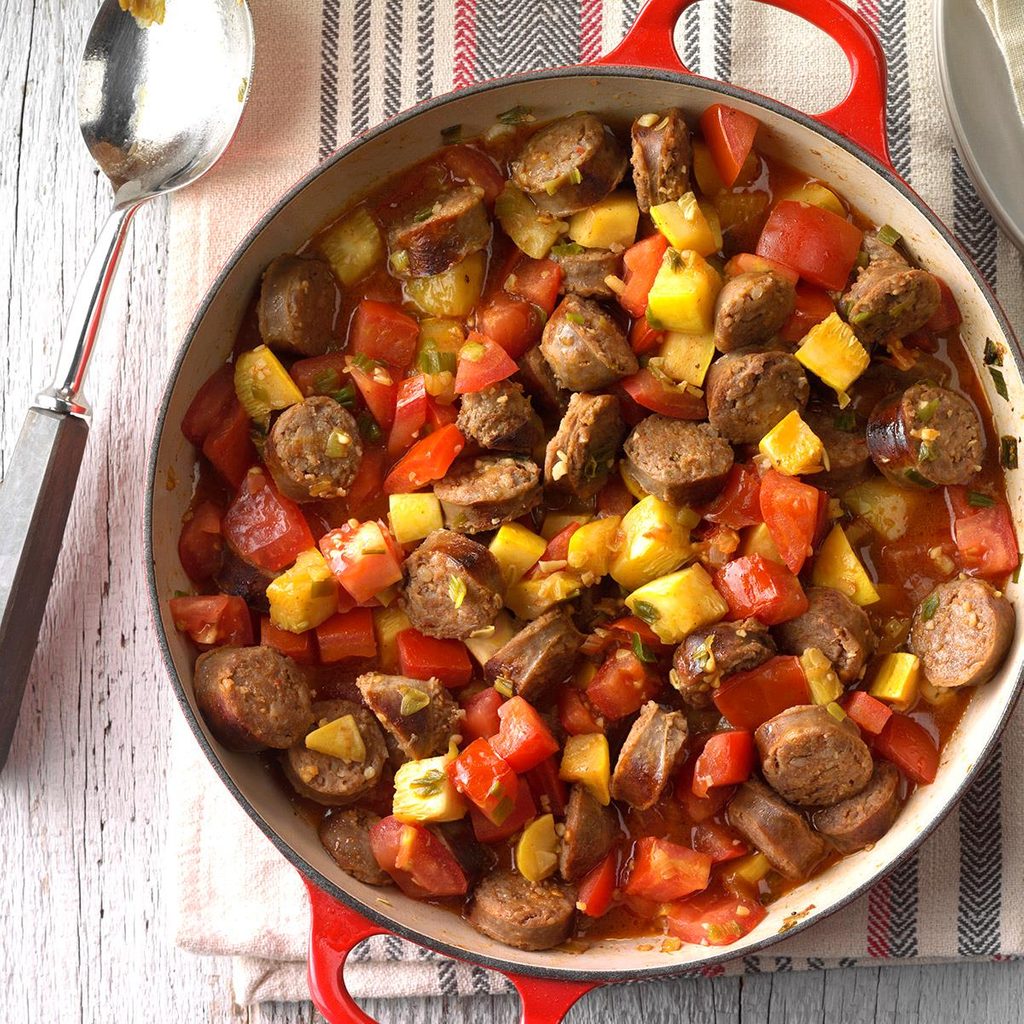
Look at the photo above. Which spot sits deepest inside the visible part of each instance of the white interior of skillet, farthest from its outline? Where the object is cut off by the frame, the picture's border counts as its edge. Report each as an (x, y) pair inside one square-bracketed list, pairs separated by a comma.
[(618, 97)]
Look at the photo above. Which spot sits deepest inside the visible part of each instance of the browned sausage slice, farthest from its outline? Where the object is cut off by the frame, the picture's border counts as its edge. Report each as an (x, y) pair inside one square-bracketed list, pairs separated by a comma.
[(500, 417), (843, 434), (863, 819), (811, 759), (707, 656), (538, 377), (779, 831), (241, 579), (442, 235), (585, 346), (252, 697), (479, 494), (590, 833), (583, 451), (751, 308), (418, 713), (961, 632), (298, 301), (524, 914), (346, 837), (654, 749), (585, 271), (661, 157), (678, 461)]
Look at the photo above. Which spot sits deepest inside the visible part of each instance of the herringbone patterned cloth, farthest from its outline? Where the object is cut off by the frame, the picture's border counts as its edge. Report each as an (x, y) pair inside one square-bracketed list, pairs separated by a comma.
[(327, 70)]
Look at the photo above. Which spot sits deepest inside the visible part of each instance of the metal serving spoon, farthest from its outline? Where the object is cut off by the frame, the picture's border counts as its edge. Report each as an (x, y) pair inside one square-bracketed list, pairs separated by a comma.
[(158, 106)]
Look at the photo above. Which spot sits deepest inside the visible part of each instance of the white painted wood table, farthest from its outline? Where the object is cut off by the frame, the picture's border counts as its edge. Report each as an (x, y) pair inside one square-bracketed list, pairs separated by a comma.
[(83, 799)]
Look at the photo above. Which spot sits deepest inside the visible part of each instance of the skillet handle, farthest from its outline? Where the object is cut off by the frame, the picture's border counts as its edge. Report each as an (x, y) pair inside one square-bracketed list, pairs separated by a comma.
[(545, 1001), (860, 115)]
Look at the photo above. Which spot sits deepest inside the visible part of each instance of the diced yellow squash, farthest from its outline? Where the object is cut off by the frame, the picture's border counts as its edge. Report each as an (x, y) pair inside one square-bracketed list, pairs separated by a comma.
[(592, 546), (524, 224), (584, 674), (747, 871), (413, 516), (792, 447), (529, 599), (517, 549), (686, 357), (896, 680), (424, 792), (757, 540), (683, 295), (837, 566), (340, 738), (687, 226), (585, 759), (608, 224), (836, 711), (262, 384), (655, 541), (889, 508), (437, 356), (452, 293), (816, 194), (490, 639), (705, 171), (822, 680), (556, 522), (630, 481), (303, 596), (387, 624), (831, 351), (936, 696), (353, 246), (677, 604), (537, 849)]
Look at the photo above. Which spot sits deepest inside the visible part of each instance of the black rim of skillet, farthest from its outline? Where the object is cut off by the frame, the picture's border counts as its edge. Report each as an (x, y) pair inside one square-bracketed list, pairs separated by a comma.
[(304, 867)]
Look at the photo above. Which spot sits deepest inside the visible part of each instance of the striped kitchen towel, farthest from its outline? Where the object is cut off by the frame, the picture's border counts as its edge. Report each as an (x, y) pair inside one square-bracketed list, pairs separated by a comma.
[(329, 69)]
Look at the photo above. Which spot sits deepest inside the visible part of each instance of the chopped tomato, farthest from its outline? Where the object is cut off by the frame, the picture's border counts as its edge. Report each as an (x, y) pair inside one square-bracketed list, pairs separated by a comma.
[(210, 405), (755, 585), (747, 699), (714, 918), (699, 808), (219, 620), (427, 460), (320, 375), (536, 281), (548, 789), (482, 362), (663, 870), (364, 558), (910, 747), (748, 263), (426, 657), (229, 447), (514, 324), (632, 624), (365, 491), (614, 498), (594, 897), (524, 739), (817, 243), (486, 780), (384, 333), (866, 711), (440, 415), (297, 646), (983, 532), (558, 547), (347, 635), (727, 759), (643, 338), (668, 399), (719, 842), (411, 407), (419, 862), (201, 544), (379, 391), (812, 306), (739, 504), (487, 832), (947, 316), (267, 529), (790, 509), (575, 714), (641, 262), (471, 165), (622, 685), (729, 134), (481, 721)]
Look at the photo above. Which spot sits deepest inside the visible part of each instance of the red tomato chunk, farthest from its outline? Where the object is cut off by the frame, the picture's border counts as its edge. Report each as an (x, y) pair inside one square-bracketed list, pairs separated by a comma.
[(365, 559), (217, 621), (425, 657), (419, 862), (727, 759), (756, 586), (747, 699), (524, 739), (347, 635), (664, 871), (485, 779), (714, 918)]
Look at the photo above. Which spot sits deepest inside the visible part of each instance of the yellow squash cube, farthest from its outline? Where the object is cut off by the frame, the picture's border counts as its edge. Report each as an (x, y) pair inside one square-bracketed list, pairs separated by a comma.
[(677, 604), (537, 849), (592, 546), (353, 246), (556, 522), (704, 170), (896, 681), (608, 224), (489, 640), (757, 540), (303, 596), (523, 223), (340, 738), (424, 792), (530, 599), (683, 295), (454, 292), (687, 225), (585, 759), (792, 447), (263, 385), (517, 549), (889, 508), (831, 351), (822, 680), (387, 624), (837, 566), (686, 357), (413, 516), (815, 194), (655, 541)]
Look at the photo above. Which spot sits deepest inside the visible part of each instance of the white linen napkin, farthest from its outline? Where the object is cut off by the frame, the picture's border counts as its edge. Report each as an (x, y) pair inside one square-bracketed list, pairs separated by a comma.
[(1006, 19)]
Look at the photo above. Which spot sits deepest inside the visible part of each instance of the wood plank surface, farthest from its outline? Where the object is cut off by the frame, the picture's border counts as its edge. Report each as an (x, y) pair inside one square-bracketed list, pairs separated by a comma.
[(83, 800)]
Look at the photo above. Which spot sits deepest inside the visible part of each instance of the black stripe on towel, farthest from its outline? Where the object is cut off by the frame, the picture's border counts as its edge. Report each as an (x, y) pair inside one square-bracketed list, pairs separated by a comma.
[(360, 120), (903, 905), (393, 49), (892, 26), (425, 49), (723, 40), (328, 79), (979, 908), (522, 34)]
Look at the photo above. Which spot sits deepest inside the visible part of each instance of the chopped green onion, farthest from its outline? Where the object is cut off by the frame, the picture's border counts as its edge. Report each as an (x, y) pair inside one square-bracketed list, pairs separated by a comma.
[(451, 134), (993, 353), (835, 711), (862, 259), (930, 607), (504, 686), (640, 649), (345, 396), (554, 184), (338, 444), (576, 176), (457, 590), (413, 700), (364, 363), (421, 215), (916, 478), (846, 421), (925, 452), (429, 783), (862, 317), (432, 361), (1000, 382), (926, 411), (576, 318), (1008, 452), (472, 351), (400, 261), (888, 235), (646, 611), (653, 322), (566, 249), (516, 115), (979, 500), (369, 427), (326, 381)]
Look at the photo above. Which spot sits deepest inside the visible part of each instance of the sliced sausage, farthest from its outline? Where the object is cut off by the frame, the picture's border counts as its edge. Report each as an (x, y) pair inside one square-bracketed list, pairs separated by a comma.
[(570, 165), (811, 759), (585, 271), (751, 308), (749, 392), (539, 379), (313, 450), (708, 656), (654, 749), (331, 780), (961, 632), (252, 697), (500, 417), (442, 235), (481, 493), (242, 579), (453, 586), (836, 626), (863, 819), (585, 346), (678, 461), (539, 657), (926, 435), (844, 437), (583, 451), (779, 831), (661, 158), (590, 833), (346, 837), (299, 298), (418, 713), (524, 914)]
